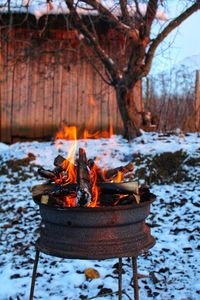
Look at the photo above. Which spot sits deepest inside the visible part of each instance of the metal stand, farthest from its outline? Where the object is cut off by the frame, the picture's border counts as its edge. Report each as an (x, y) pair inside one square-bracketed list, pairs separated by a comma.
[(37, 254), (120, 280), (135, 277)]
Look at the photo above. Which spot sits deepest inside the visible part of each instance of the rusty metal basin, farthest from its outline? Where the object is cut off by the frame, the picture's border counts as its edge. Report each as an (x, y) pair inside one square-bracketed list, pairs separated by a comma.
[(95, 233)]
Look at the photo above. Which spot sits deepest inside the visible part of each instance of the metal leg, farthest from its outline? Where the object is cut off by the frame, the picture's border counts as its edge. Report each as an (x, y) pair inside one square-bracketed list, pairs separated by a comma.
[(120, 280), (135, 278), (34, 274)]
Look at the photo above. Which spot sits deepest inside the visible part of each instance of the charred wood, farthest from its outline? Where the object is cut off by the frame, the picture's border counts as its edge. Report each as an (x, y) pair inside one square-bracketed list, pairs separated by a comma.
[(84, 189), (109, 174), (106, 175), (122, 188), (46, 173), (58, 161), (55, 190)]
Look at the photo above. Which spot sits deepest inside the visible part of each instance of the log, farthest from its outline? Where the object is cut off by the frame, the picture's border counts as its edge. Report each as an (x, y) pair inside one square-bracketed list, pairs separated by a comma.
[(109, 174), (123, 188), (57, 190), (99, 171), (62, 164), (106, 175), (84, 188), (46, 173), (53, 189), (58, 161)]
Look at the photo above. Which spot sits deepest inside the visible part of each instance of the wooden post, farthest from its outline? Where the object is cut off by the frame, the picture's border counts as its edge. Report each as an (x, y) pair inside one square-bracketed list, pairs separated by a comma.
[(197, 101)]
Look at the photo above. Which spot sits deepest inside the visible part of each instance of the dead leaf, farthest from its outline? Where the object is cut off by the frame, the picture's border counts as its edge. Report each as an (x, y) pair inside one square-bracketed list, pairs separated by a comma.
[(91, 273)]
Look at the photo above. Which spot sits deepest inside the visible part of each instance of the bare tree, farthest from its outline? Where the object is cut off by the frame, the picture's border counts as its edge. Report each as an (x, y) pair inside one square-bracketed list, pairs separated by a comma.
[(139, 45)]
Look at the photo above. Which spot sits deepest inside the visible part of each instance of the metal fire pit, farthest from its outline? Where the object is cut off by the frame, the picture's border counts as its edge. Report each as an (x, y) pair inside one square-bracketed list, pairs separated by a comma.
[(95, 233)]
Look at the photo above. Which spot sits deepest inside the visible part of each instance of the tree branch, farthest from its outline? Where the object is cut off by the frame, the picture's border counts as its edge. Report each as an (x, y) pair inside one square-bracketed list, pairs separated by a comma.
[(124, 10), (169, 28), (112, 19), (92, 41), (150, 15)]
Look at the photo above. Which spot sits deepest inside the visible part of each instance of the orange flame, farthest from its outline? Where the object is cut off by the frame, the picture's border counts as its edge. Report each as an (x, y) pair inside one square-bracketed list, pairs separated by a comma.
[(69, 167), (119, 177), (70, 200), (95, 190), (67, 133)]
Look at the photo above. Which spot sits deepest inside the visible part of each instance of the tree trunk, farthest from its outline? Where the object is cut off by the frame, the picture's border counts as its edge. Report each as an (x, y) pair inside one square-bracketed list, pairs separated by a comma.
[(131, 117)]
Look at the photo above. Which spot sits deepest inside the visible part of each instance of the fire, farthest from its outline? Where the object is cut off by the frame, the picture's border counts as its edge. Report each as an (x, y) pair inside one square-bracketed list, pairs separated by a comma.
[(70, 167), (119, 177), (67, 133), (95, 190)]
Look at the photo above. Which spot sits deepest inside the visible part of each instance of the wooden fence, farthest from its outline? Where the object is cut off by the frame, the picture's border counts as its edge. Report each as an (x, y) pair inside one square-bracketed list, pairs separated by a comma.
[(46, 84)]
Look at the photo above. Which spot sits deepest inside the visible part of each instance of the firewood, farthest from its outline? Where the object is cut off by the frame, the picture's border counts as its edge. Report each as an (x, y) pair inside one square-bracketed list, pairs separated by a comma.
[(46, 173), (99, 171), (109, 174), (55, 190), (123, 188), (106, 175), (61, 164), (130, 199), (44, 199), (84, 194), (58, 161)]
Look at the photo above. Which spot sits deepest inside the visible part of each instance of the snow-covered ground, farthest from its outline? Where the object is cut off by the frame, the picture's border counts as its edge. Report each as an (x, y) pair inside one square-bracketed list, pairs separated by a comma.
[(172, 264)]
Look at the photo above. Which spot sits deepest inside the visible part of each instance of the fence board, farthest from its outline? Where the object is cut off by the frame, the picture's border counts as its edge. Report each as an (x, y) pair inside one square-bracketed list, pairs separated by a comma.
[(65, 90), (39, 104), (7, 52), (48, 97)]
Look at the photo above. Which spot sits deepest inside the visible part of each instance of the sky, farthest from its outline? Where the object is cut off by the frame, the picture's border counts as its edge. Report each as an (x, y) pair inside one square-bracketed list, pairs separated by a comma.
[(181, 43)]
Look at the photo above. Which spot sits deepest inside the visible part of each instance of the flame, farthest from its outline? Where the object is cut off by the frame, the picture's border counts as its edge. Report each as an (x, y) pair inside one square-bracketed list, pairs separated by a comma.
[(67, 133), (119, 177), (70, 200), (69, 174), (95, 190)]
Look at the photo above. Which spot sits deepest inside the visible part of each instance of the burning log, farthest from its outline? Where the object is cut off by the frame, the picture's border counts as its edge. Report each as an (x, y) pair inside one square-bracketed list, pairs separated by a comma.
[(122, 188), (105, 188), (106, 175), (86, 184), (61, 164), (109, 174), (84, 189), (55, 190), (58, 161)]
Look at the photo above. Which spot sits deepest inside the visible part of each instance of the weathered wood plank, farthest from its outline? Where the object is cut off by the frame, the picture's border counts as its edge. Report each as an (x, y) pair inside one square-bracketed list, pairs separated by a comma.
[(48, 95), (57, 97), (7, 91), (39, 103), (65, 90)]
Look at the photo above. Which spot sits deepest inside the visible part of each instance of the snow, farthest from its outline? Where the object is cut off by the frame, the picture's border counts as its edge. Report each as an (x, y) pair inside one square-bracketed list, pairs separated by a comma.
[(173, 263), (40, 7)]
